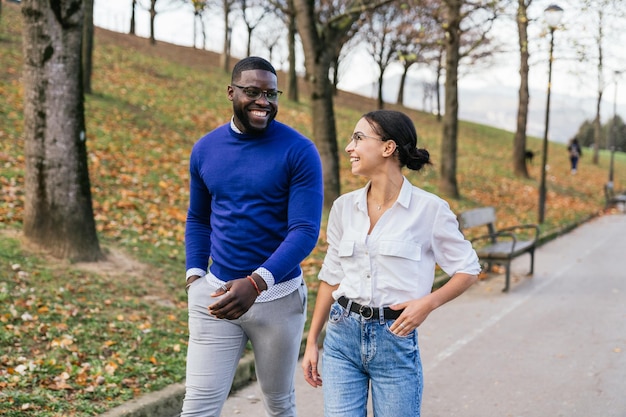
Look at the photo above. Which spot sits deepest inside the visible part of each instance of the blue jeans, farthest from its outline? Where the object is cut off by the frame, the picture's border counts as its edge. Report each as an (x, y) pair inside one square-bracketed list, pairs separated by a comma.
[(215, 347), (359, 352)]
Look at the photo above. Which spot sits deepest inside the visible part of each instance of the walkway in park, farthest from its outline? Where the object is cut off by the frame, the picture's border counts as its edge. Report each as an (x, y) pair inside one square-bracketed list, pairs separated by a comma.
[(555, 345)]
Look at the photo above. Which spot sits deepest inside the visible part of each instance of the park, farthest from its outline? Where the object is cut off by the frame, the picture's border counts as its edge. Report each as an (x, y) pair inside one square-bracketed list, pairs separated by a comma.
[(79, 338)]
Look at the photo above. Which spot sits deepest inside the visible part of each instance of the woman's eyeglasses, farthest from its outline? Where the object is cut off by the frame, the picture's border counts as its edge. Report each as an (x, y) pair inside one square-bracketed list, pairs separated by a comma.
[(254, 93), (358, 136)]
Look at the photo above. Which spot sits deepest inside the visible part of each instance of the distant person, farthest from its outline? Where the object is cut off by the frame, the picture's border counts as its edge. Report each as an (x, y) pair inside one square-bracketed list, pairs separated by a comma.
[(254, 214), (376, 280), (575, 152)]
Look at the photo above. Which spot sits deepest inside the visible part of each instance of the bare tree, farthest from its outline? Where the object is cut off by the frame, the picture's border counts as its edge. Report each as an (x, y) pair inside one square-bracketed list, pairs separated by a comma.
[(252, 13), (227, 8), (285, 9), (271, 40), (382, 39), (199, 9), (418, 38), (58, 212), (153, 13), (597, 123), (438, 72), (152, 9), (132, 17), (467, 24), (519, 141), (321, 27), (338, 53), (601, 51), (448, 182)]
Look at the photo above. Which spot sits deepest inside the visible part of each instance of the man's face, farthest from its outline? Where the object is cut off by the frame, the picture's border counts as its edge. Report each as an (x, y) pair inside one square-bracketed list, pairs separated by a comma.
[(253, 115)]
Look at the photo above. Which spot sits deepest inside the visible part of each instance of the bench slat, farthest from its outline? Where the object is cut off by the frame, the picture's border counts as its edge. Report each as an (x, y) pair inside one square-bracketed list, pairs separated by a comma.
[(502, 250), (477, 217)]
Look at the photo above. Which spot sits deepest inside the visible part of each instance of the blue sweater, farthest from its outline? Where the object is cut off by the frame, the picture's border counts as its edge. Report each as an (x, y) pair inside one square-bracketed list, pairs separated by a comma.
[(255, 201)]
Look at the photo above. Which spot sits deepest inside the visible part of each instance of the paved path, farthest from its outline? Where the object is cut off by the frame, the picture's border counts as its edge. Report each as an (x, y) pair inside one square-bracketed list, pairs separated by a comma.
[(555, 345)]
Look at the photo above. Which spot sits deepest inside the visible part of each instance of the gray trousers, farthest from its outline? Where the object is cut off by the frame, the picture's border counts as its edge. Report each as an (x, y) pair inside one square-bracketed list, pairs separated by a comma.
[(215, 346)]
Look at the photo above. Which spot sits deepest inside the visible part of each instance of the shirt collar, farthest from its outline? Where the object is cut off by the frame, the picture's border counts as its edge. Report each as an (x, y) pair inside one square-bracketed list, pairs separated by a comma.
[(404, 198), (234, 126)]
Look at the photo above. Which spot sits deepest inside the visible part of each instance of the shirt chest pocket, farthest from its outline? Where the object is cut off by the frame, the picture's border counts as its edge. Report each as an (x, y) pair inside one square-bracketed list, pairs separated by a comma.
[(407, 250), (346, 248)]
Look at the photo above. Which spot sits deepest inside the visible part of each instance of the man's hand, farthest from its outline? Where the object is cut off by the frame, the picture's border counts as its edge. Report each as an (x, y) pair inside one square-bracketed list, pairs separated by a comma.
[(239, 296)]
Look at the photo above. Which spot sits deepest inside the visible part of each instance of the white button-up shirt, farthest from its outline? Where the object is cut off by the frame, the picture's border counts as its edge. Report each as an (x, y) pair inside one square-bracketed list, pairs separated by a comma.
[(396, 262)]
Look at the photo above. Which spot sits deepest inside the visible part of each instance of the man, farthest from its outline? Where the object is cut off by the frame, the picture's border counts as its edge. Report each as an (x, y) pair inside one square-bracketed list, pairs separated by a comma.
[(254, 214)]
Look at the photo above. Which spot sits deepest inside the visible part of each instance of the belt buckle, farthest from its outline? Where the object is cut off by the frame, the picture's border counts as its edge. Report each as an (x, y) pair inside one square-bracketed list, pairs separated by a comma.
[(363, 309)]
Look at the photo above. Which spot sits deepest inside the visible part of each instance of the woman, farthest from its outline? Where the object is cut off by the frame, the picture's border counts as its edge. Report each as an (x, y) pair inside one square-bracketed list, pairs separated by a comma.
[(375, 284)]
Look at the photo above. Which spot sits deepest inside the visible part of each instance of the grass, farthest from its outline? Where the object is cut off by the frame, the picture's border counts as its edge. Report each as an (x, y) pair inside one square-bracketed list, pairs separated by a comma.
[(78, 339)]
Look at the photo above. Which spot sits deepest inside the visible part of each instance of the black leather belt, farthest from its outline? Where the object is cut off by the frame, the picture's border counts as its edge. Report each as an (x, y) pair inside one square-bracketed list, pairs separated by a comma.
[(369, 312)]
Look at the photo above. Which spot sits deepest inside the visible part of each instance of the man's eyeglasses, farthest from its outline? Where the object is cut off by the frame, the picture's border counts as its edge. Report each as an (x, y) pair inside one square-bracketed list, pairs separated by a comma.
[(358, 136), (254, 93)]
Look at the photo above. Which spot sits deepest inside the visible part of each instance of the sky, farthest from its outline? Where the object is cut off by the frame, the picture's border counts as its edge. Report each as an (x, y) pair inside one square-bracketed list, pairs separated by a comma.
[(501, 77)]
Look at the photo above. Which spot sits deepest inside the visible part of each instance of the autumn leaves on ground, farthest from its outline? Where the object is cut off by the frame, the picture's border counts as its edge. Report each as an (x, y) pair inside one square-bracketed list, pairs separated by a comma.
[(75, 339)]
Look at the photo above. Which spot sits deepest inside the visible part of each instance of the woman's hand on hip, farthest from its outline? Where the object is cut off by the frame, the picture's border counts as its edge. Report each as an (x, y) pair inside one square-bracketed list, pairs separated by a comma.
[(414, 314)]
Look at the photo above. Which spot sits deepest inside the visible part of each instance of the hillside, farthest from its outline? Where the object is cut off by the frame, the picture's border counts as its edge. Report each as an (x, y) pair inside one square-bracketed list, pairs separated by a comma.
[(78, 339)]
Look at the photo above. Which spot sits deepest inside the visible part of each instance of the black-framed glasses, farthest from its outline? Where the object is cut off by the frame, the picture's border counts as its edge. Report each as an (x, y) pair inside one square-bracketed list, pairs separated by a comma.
[(359, 136), (254, 93)]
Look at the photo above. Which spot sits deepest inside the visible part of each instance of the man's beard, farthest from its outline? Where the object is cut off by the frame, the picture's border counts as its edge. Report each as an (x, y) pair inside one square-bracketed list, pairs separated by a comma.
[(242, 115)]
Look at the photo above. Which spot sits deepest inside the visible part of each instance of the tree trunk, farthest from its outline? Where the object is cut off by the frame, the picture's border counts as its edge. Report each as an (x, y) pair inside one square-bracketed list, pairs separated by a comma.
[(248, 48), (292, 76), (225, 57), (87, 52), (597, 127), (153, 14), (597, 131), (519, 142), (317, 61), (448, 182), (132, 18), (400, 99), (438, 87), (380, 101), (58, 212)]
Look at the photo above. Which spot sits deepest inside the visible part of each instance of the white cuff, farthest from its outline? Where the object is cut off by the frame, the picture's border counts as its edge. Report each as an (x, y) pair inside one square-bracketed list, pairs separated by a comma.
[(267, 276), (195, 271)]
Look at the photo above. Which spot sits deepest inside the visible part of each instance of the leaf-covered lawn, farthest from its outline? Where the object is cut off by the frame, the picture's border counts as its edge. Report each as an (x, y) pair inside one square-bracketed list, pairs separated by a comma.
[(78, 339), (75, 342)]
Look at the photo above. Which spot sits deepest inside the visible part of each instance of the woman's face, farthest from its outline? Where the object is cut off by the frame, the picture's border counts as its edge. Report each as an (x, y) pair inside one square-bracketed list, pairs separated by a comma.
[(366, 149)]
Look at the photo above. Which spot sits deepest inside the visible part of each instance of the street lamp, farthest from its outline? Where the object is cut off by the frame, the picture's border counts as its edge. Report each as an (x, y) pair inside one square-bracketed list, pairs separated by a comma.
[(613, 131), (553, 16)]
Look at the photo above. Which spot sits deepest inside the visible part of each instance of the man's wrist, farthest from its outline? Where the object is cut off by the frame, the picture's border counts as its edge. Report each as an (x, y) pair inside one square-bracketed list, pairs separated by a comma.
[(191, 280), (259, 281)]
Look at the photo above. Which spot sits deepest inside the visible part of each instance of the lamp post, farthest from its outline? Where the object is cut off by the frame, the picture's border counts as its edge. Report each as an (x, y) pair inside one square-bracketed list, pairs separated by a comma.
[(553, 16), (613, 132)]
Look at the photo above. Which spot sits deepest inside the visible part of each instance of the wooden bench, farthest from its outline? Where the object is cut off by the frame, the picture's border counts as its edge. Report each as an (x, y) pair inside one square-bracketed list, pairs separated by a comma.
[(612, 199), (500, 246)]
